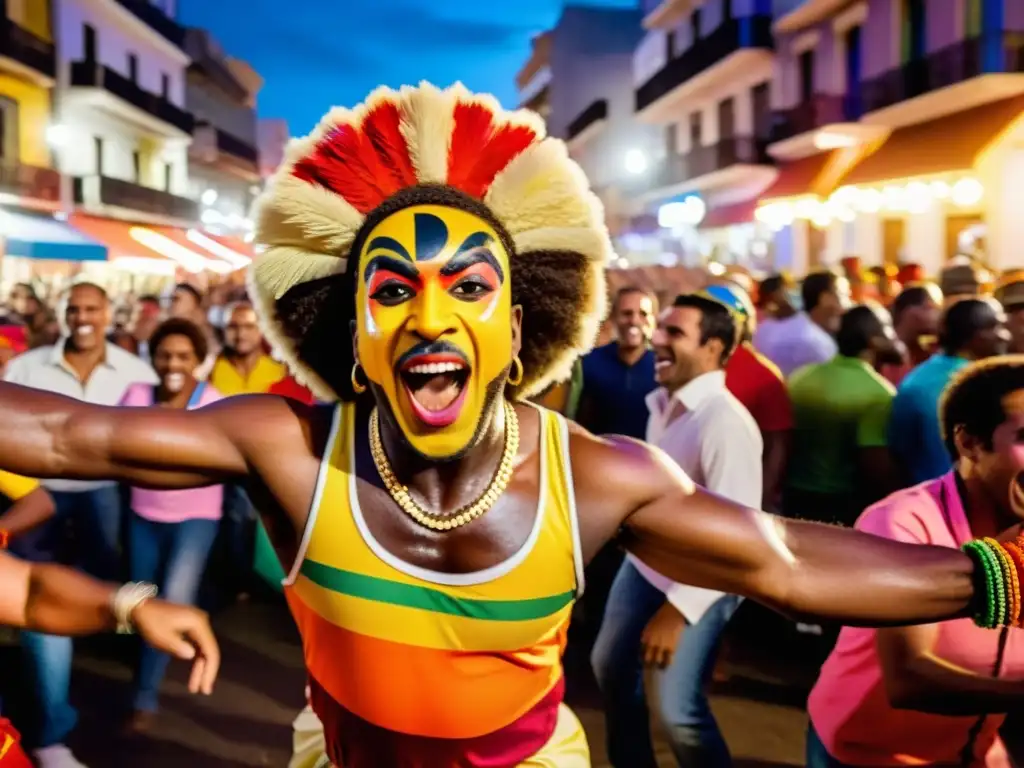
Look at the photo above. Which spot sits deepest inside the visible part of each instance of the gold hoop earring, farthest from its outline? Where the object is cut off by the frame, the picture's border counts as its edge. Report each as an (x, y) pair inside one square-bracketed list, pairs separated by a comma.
[(517, 365), (356, 386)]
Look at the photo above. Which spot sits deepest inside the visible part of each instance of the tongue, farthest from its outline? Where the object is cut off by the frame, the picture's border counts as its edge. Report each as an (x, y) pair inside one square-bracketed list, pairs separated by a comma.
[(437, 393)]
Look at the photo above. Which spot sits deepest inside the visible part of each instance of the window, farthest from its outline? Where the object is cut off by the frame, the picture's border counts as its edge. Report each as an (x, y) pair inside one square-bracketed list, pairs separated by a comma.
[(137, 165), (915, 23), (88, 42), (670, 45), (165, 85), (972, 20), (98, 148), (133, 67), (727, 119), (762, 110), (806, 65), (695, 130)]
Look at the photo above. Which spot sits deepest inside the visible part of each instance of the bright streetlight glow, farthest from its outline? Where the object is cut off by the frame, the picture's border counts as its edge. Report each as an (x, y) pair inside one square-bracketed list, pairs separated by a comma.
[(58, 136), (209, 197), (636, 162)]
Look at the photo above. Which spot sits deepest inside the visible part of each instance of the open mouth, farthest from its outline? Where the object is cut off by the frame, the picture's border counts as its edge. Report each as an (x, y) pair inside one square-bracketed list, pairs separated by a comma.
[(84, 330), (436, 385), (662, 361), (1017, 496)]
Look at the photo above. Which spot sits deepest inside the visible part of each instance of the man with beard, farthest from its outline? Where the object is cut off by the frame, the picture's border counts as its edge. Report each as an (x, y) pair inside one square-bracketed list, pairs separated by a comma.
[(674, 629), (915, 317), (434, 526)]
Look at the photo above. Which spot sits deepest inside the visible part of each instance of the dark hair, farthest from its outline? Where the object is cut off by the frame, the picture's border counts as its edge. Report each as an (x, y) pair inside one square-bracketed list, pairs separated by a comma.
[(177, 326), (149, 298), (771, 285), (858, 327), (628, 290), (973, 400), (909, 297), (551, 286), (191, 289), (717, 322), (962, 321), (816, 285)]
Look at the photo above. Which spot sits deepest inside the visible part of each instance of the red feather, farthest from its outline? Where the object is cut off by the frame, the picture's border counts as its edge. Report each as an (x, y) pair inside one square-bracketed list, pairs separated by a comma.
[(383, 130), (480, 150)]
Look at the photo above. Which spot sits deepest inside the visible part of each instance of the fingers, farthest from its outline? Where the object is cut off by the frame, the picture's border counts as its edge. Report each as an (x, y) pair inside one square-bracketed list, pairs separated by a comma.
[(204, 671), (656, 655)]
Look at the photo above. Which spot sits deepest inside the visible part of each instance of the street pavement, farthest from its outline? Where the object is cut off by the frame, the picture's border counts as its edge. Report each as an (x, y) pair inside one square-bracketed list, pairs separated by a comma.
[(760, 687)]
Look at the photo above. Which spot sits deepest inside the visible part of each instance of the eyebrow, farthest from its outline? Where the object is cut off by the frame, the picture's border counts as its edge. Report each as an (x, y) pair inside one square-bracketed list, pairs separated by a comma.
[(399, 267), (389, 244), (466, 259)]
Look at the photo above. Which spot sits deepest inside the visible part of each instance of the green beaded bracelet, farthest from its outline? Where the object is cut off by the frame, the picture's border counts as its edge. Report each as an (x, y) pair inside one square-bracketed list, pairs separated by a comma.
[(1004, 589), (998, 595), (985, 613)]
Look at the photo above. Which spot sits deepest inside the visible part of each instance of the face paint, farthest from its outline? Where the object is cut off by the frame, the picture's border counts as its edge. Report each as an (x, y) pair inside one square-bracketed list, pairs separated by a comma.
[(434, 322)]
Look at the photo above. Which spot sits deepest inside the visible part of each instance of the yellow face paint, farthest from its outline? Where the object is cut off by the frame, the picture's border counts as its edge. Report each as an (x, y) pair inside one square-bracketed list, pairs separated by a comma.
[(434, 322)]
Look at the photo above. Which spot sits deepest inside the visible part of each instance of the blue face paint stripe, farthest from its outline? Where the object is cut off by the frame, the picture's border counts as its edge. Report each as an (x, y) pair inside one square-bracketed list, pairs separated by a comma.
[(476, 240), (388, 244), (431, 236)]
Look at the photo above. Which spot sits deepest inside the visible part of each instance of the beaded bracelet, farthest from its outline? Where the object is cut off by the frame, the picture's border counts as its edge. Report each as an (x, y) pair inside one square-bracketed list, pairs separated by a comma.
[(999, 576)]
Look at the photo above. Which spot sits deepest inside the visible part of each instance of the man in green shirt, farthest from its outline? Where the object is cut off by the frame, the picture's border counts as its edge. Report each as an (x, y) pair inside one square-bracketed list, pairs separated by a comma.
[(840, 461)]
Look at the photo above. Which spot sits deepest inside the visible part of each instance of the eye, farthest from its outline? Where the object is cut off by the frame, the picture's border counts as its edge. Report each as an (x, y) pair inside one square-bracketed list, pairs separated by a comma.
[(471, 288), (392, 292)]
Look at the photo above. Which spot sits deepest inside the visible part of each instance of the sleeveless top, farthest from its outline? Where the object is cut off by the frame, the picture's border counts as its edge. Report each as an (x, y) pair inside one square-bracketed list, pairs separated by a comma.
[(414, 668)]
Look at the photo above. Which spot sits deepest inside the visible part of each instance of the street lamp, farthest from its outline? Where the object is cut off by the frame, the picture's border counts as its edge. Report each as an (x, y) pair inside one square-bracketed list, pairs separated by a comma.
[(58, 136), (636, 162)]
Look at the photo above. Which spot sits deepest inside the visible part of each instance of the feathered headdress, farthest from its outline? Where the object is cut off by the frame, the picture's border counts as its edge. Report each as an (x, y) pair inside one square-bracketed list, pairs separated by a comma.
[(425, 145)]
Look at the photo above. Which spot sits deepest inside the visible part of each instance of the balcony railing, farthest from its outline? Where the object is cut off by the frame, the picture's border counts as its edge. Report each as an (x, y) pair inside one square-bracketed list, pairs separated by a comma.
[(90, 74), (823, 109), (597, 111), (28, 181), (235, 146), (24, 47), (731, 36), (92, 190), (948, 66), (157, 20), (703, 160)]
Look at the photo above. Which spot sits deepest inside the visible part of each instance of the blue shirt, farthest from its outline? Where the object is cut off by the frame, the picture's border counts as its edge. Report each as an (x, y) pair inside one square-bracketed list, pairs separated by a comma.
[(915, 433), (615, 393)]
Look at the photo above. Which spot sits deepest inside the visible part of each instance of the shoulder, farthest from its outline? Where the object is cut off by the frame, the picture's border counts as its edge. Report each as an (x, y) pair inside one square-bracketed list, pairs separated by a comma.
[(806, 375), (31, 359), (210, 395), (728, 420), (878, 385), (138, 394), (911, 515), (125, 361)]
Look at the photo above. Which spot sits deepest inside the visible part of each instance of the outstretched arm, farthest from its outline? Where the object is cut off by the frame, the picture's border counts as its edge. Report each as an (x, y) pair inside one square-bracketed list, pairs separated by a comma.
[(50, 436), (799, 568)]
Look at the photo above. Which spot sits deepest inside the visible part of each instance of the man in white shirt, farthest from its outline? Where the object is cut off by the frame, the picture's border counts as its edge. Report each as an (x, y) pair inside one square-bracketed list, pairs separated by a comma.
[(807, 337), (674, 628), (83, 365)]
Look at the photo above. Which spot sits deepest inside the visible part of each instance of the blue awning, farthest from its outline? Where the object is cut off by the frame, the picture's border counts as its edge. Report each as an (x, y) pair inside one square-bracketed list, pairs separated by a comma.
[(39, 236)]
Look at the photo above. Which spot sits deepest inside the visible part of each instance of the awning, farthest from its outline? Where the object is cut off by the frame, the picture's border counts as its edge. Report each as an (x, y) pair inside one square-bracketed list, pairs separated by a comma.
[(946, 144), (727, 215), (141, 244), (39, 236), (231, 249), (806, 176), (220, 259)]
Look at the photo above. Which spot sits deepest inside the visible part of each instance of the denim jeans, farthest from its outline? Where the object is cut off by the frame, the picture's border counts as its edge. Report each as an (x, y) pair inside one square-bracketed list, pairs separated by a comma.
[(95, 517), (817, 755), (172, 556), (683, 706)]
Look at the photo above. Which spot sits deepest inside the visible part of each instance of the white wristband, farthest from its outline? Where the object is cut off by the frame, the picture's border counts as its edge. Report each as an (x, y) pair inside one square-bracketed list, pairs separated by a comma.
[(129, 597)]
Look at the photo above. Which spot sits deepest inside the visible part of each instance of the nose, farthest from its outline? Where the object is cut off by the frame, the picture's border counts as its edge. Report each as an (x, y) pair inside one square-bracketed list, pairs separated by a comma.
[(433, 318)]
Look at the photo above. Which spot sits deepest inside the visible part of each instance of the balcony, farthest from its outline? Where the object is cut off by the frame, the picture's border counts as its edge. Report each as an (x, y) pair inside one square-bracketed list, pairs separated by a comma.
[(236, 147), (589, 119), (823, 109), (26, 51), (969, 73), (95, 191), (90, 74), (156, 20), (26, 182), (228, 153), (704, 167), (682, 76)]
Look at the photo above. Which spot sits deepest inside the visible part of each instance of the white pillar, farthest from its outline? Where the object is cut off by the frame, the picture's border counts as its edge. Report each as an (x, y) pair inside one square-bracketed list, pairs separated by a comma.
[(867, 239), (926, 239), (1003, 217)]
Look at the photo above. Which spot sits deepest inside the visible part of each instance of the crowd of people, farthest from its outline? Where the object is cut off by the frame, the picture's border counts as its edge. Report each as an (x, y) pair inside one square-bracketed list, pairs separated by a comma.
[(429, 265)]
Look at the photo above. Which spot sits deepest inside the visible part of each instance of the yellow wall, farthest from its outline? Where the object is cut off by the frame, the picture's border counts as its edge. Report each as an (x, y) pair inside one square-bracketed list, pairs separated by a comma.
[(35, 17), (34, 117)]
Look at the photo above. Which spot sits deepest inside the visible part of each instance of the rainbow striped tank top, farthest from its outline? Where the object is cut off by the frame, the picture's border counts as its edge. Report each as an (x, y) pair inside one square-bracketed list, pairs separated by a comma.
[(409, 667)]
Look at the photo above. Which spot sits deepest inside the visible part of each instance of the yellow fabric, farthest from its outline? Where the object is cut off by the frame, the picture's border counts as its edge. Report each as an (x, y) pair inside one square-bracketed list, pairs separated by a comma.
[(16, 487), (229, 381), (567, 747)]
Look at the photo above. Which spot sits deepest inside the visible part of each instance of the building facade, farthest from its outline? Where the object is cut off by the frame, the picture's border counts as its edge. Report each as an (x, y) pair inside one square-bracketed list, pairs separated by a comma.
[(224, 168), (124, 126)]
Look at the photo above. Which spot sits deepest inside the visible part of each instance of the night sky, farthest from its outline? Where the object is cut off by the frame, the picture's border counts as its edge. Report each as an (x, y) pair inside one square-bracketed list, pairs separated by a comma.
[(315, 54)]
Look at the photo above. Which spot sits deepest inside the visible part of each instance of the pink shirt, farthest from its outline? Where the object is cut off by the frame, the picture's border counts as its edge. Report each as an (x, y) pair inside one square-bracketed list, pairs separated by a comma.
[(175, 506), (848, 705)]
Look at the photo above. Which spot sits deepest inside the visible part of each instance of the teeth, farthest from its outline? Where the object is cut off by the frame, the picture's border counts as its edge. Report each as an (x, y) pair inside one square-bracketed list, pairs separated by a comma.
[(84, 330), (433, 368)]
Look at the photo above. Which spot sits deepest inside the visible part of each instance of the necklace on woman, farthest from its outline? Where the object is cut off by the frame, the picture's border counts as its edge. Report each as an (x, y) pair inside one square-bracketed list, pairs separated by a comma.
[(468, 513)]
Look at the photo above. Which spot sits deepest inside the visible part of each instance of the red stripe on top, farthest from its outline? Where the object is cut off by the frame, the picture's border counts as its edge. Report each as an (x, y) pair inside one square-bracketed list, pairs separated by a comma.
[(479, 150), (355, 743)]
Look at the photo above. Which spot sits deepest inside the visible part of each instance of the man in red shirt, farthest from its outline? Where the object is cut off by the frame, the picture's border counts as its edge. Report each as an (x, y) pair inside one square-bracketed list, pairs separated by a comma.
[(758, 385)]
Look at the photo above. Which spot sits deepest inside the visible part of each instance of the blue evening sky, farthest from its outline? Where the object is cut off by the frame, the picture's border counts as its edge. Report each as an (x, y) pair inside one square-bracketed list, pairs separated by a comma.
[(315, 54)]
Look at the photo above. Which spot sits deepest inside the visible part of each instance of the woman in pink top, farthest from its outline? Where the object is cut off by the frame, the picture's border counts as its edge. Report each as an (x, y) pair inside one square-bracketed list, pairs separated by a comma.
[(171, 532), (935, 694)]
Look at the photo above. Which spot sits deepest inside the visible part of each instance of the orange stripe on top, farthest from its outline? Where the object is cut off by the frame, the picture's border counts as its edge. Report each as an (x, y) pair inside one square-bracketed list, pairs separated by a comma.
[(482, 691)]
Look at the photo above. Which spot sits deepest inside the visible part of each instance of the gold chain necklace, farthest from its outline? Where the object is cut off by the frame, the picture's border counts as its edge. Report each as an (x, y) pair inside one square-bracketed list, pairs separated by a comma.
[(466, 514)]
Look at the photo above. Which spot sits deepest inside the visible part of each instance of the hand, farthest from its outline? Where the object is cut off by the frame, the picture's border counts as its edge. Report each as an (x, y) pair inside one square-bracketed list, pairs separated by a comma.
[(661, 636), (184, 632)]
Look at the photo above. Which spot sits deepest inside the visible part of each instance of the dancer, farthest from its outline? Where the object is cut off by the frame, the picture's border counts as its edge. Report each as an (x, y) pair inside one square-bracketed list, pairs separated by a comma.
[(431, 260)]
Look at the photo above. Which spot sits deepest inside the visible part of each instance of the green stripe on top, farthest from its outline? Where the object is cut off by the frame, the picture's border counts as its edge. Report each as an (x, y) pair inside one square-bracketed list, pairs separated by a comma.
[(433, 600)]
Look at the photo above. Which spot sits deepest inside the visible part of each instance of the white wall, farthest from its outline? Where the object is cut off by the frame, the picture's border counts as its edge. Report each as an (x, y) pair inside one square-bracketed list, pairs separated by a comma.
[(118, 34)]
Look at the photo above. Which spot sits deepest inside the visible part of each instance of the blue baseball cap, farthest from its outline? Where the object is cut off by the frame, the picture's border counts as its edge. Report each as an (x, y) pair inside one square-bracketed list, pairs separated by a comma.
[(734, 298)]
